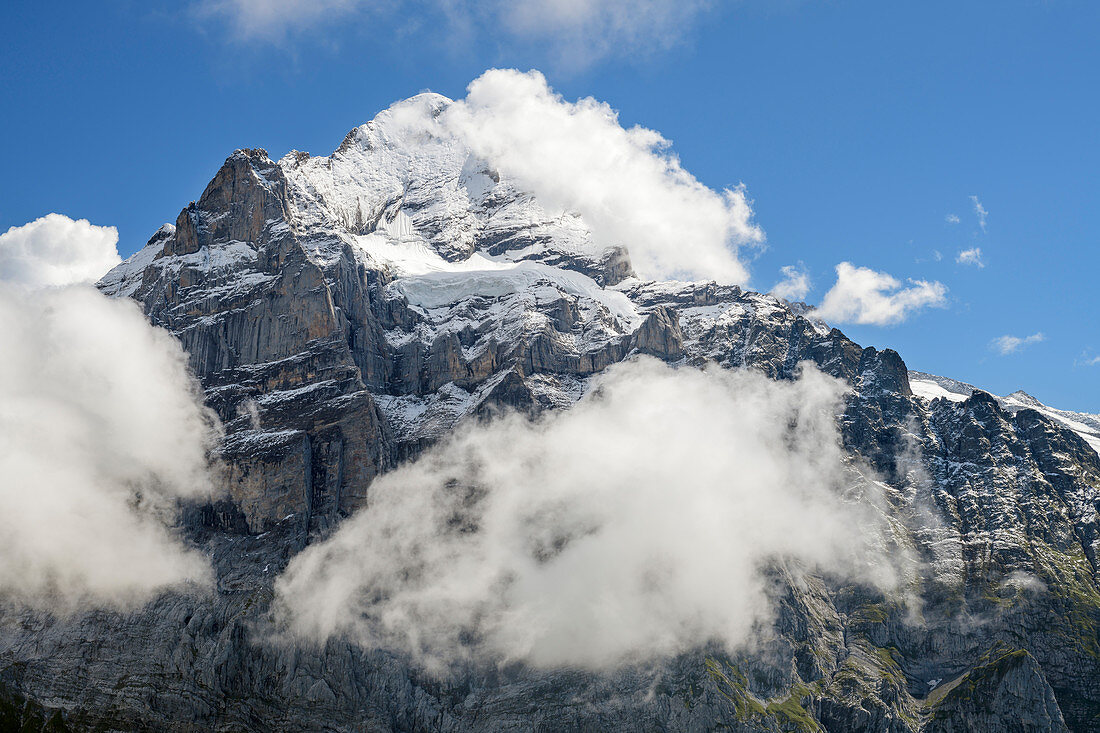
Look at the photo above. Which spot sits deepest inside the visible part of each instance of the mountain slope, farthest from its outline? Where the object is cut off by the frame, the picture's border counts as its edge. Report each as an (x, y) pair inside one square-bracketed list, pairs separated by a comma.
[(1084, 424), (345, 312)]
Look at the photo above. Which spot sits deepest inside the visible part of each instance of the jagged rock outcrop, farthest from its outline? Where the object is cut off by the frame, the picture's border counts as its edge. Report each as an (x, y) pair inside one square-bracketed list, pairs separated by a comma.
[(660, 335), (342, 313), (1006, 691)]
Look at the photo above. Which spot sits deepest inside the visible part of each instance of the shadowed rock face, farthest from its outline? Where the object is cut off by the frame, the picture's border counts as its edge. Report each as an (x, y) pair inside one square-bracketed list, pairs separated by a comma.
[(1005, 679), (331, 359)]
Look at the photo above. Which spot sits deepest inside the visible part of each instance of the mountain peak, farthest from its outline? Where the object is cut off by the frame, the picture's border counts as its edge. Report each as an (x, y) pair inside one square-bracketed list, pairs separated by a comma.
[(1024, 398)]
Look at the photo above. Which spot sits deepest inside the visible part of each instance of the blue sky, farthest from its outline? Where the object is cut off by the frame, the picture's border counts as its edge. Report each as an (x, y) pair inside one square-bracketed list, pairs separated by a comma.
[(858, 127)]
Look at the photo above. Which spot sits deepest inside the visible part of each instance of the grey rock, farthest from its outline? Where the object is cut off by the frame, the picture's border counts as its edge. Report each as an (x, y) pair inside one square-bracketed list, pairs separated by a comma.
[(660, 335), (1006, 692)]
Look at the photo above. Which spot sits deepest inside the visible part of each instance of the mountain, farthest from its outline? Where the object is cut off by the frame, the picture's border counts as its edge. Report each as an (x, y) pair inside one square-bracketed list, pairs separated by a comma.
[(932, 387), (343, 313)]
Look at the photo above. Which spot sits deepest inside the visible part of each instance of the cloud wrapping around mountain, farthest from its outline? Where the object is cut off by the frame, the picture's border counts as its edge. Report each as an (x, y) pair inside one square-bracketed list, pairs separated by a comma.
[(864, 296), (55, 250), (626, 184), (102, 430), (637, 523)]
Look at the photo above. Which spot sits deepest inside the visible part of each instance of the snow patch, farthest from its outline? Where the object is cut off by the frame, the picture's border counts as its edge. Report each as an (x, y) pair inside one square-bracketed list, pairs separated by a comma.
[(443, 288)]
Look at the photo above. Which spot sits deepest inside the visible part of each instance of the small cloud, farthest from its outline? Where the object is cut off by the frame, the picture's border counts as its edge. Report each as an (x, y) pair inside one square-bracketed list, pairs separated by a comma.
[(54, 251), (864, 296), (1023, 582), (1007, 344), (937, 255), (979, 211), (795, 283), (1088, 361), (971, 256), (952, 218)]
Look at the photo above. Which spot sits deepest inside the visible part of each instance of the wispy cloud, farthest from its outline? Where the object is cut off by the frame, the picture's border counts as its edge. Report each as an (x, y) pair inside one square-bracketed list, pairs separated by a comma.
[(864, 296), (584, 32), (980, 212), (795, 283), (951, 218), (573, 33), (272, 20), (1086, 360), (1008, 344), (972, 256)]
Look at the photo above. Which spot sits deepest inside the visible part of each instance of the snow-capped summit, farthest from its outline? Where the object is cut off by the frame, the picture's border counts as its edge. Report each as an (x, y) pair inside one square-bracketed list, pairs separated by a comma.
[(405, 192), (930, 387)]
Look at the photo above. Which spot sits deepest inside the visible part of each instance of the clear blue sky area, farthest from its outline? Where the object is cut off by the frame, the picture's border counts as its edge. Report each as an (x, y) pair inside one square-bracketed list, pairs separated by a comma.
[(858, 127)]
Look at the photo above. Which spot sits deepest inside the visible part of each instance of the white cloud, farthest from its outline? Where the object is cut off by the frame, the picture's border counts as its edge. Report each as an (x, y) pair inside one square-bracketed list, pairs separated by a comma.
[(980, 212), (971, 256), (626, 184), (1089, 361), (576, 32), (951, 219), (937, 255), (636, 523), (274, 19), (794, 285), (864, 296), (582, 32), (55, 250), (101, 431), (1011, 344)]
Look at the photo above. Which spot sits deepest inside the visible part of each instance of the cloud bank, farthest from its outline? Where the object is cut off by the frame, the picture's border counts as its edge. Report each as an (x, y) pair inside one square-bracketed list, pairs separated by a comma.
[(626, 184), (55, 250), (1005, 345), (867, 297), (101, 431), (637, 523)]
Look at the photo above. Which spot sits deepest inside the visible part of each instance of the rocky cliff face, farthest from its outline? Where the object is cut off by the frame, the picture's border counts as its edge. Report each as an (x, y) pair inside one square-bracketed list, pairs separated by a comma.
[(344, 312)]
